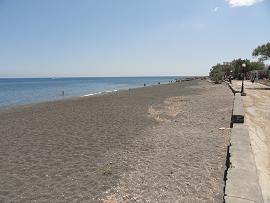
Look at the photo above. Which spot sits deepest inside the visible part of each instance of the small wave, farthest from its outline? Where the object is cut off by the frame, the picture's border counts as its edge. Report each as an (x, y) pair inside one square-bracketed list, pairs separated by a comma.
[(87, 95), (92, 94)]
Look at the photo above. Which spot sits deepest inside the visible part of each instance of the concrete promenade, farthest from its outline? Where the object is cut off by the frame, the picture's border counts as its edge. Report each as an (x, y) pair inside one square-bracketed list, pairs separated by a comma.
[(257, 121)]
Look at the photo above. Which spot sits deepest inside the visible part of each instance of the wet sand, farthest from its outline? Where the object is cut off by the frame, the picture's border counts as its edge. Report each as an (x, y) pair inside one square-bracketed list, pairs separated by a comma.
[(154, 144)]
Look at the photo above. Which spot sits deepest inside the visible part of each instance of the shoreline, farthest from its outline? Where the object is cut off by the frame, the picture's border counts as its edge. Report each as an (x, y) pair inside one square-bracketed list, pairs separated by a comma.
[(105, 91), (95, 94), (78, 97), (20, 91), (73, 98)]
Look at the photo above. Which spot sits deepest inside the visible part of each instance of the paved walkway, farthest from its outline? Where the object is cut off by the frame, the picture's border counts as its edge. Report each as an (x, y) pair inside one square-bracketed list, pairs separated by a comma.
[(257, 118)]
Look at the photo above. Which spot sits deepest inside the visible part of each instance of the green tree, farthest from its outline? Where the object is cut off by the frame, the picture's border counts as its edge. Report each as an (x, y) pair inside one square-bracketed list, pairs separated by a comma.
[(257, 65), (262, 51), (237, 67), (218, 76), (217, 73), (234, 68)]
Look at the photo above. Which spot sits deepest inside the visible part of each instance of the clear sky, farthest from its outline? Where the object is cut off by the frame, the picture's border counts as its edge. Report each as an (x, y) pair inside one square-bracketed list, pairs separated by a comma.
[(53, 38)]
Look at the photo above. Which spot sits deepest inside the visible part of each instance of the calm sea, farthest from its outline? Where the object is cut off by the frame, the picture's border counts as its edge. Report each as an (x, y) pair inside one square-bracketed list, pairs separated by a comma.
[(17, 91)]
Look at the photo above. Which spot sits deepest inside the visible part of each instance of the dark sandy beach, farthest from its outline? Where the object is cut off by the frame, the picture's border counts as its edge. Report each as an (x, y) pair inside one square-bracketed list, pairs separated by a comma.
[(154, 144)]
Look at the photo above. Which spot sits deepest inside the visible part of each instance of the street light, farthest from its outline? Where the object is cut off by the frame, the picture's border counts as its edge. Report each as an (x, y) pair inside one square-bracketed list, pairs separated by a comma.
[(242, 89), (231, 76)]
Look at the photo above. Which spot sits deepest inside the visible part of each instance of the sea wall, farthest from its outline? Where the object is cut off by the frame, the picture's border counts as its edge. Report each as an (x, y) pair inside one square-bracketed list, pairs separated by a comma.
[(242, 184)]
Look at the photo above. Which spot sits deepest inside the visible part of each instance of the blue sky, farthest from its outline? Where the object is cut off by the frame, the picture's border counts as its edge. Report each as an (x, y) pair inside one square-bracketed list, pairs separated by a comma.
[(54, 38)]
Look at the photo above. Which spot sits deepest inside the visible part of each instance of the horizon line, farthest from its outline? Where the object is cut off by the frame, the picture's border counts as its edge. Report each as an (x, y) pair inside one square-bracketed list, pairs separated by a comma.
[(62, 77)]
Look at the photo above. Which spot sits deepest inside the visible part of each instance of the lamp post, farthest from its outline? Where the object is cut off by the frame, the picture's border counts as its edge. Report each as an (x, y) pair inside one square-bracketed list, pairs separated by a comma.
[(242, 88), (231, 76)]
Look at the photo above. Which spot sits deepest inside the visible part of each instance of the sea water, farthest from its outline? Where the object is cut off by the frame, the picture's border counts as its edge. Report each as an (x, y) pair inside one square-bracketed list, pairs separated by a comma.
[(18, 91)]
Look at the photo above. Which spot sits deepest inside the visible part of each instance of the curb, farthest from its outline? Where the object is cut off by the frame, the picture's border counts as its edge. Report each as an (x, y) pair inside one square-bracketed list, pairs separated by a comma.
[(238, 115)]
